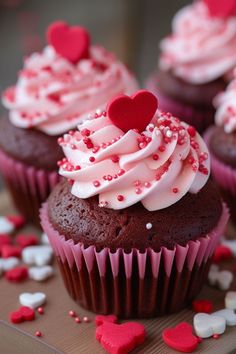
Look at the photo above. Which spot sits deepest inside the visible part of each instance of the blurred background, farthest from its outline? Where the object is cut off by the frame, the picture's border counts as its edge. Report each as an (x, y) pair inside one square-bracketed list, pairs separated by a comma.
[(130, 28)]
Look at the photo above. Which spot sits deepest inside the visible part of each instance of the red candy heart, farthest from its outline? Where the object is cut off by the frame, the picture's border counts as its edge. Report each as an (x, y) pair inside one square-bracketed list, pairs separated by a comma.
[(23, 314), (17, 274), (11, 251), (72, 43), (133, 112), (181, 338), (222, 253), (26, 240), (17, 220), (120, 339), (100, 319), (220, 8), (204, 306)]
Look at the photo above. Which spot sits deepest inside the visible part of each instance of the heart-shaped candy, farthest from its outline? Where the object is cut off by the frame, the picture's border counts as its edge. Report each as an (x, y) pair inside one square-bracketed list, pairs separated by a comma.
[(9, 263), (10, 251), (26, 240), (205, 306), (222, 253), (23, 314), (133, 112), (228, 315), (72, 43), (122, 338), (181, 338), (17, 274), (5, 239), (230, 300), (220, 278), (207, 325), (32, 300), (231, 244), (100, 319), (222, 9), (38, 255), (40, 273)]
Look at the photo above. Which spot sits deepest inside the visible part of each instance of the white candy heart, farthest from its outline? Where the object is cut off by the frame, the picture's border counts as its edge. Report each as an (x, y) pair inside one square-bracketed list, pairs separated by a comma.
[(230, 300), (207, 325), (8, 263), (228, 315), (38, 255), (231, 244), (6, 227), (32, 300), (40, 273), (222, 279), (44, 239)]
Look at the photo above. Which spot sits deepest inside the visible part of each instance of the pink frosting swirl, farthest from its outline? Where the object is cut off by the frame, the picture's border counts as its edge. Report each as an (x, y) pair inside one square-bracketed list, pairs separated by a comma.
[(225, 103), (202, 48), (53, 95), (156, 167)]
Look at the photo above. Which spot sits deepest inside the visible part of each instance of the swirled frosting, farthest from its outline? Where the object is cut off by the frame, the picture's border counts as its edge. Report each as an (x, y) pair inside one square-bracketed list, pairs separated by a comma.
[(53, 95), (156, 167), (202, 48), (225, 103)]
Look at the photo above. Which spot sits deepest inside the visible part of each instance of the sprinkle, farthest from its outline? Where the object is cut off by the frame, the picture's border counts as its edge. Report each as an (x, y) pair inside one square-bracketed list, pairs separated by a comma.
[(96, 183), (175, 190), (92, 159), (162, 148), (121, 172), (38, 334), (147, 184), (86, 319), (77, 320), (155, 157), (148, 226), (138, 190), (137, 183), (41, 310), (120, 198), (115, 158), (192, 131), (216, 336), (85, 132)]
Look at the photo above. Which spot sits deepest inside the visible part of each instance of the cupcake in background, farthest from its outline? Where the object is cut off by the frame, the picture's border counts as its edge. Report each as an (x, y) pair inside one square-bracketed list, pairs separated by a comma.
[(221, 140), (56, 89), (196, 61), (135, 221)]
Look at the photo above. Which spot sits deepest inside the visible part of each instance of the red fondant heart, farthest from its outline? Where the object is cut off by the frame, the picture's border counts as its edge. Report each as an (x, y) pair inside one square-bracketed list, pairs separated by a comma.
[(26, 240), (5, 239), (71, 43), (120, 339), (204, 306), (100, 319), (181, 338), (11, 251), (17, 274), (133, 112), (23, 314), (222, 253), (17, 220), (220, 8)]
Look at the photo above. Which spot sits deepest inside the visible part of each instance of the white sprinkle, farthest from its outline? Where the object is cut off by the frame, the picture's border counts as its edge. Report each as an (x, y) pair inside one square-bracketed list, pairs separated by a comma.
[(169, 134), (148, 226)]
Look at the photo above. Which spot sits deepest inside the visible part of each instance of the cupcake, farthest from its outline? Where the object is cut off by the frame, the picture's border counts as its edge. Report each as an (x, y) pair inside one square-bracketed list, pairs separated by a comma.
[(56, 89), (221, 140), (196, 61), (135, 221)]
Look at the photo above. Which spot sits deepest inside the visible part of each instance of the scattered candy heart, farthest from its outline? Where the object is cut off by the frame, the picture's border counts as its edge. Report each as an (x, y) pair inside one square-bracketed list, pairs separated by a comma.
[(4, 240), (133, 112), (26, 240), (9, 263), (231, 244), (122, 338), (17, 274), (221, 9), (10, 223), (40, 273), (228, 315), (221, 279), (222, 253), (100, 319), (23, 314), (206, 325), (38, 255), (11, 251), (204, 306), (230, 300), (181, 338), (17, 220), (44, 239), (72, 43), (32, 300)]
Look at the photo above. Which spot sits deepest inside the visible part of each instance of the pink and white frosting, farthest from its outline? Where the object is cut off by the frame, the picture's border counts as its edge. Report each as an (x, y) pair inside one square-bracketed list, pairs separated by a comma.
[(202, 48), (156, 167), (53, 95), (225, 103)]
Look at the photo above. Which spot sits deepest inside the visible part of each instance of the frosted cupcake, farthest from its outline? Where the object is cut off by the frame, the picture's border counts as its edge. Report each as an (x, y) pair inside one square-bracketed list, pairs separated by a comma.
[(56, 90), (135, 222), (196, 61)]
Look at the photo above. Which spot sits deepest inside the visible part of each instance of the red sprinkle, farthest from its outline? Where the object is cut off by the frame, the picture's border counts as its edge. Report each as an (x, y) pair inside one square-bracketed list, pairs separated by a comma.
[(216, 336), (72, 313), (115, 158), (162, 148), (175, 190), (96, 183), (77, 320), (155, 157), (92, 159), (38, 334), (41, 310), (192, 131), (86, 319), (120, 198)]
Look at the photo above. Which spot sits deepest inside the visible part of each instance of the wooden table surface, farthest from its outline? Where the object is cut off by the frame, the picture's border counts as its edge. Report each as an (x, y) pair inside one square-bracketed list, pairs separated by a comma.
[(62, 335)]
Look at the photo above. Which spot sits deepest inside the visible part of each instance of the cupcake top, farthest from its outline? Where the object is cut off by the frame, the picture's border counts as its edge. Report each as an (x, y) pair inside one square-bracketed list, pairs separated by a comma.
[(59, 87), (134, 153), (202, 46)]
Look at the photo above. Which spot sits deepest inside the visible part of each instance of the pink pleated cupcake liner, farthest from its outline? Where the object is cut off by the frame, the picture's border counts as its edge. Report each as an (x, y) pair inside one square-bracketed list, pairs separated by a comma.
[(199, 118), (104, 268), (28, 186)]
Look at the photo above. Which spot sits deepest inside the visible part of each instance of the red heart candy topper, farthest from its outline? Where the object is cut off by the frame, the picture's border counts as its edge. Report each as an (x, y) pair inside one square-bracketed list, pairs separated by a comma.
[(134, 112), (72, 43), (220, 8)]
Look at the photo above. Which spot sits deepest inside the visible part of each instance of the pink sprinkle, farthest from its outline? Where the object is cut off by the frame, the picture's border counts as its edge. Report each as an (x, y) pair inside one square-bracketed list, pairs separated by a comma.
[(138, 190), (147, 184), (96, 183)]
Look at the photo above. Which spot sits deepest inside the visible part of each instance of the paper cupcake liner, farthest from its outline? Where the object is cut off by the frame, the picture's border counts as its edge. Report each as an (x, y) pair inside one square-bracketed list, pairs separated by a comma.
[(200, 118), (133, 284), (29, 187)]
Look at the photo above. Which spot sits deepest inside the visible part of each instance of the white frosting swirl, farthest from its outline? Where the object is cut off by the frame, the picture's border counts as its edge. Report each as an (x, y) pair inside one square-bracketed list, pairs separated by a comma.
[(53, 95), (202, 48), (157, 167)]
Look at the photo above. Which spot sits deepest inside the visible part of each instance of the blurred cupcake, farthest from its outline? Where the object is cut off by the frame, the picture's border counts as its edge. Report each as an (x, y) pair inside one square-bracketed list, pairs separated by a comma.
[(135, 232), (56, 90), (221, 140), (196, 61)]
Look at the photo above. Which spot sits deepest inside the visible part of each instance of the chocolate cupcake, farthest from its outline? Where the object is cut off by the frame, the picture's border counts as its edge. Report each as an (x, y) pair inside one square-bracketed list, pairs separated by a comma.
[(57, 89), (221, 140), (196, 61), (135, 223)]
